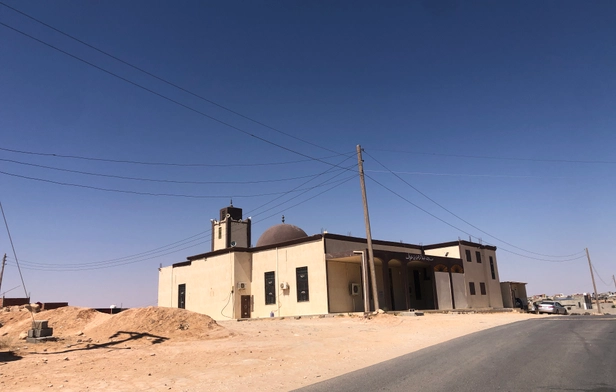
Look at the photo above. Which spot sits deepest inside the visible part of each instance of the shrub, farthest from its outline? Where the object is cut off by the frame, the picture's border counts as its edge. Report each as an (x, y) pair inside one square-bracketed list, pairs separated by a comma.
[(5, 342)]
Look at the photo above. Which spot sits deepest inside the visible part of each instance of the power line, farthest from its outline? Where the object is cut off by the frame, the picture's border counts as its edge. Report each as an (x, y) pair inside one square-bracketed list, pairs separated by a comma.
[(140, 193), (464, 231), (164, 80), (14, 253), (466, 175), (496, 158), (304, 183), (84, 267), (156, 180), (198, 237), (600, 278), (262, 139), (464, 220), (166, 163)]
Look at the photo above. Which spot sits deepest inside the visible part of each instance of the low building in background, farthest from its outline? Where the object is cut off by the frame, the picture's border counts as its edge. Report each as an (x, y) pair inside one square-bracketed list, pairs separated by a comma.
[(514, 295), (576, 302), (13, 301)]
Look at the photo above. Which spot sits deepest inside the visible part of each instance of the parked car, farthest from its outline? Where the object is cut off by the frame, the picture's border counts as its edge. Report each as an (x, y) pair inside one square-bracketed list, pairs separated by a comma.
[(551, 307)]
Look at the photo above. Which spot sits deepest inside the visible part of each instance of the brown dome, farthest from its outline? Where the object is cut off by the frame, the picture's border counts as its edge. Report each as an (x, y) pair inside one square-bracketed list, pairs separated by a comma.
[(280, 233)]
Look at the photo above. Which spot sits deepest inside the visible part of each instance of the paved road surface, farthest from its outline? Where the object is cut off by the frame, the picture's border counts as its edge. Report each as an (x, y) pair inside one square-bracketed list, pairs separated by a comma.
[(559, 353)]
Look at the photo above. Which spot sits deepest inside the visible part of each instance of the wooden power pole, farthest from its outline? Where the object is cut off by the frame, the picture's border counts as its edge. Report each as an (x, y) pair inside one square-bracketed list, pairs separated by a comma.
[(2, 270), (592, 275), (360, 164)]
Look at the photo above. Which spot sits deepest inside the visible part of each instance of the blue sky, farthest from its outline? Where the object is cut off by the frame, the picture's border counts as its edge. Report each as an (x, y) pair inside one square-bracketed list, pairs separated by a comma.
[(500, 112)]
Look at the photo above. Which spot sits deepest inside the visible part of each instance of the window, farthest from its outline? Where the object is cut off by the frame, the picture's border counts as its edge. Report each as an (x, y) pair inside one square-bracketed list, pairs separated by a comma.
[(471, 287), (270, 288), (219, 232), (417, 284), (468, 255), (492, 268), (478, 255), (482, 288), (301, 282), (182, 296)]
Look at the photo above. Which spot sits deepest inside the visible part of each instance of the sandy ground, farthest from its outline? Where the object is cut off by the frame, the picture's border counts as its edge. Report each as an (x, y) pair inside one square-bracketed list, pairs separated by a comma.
[(173, 349)]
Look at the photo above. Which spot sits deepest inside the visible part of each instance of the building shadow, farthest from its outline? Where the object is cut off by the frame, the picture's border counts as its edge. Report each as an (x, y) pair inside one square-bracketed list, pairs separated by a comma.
[(127, 336), (9, 356)]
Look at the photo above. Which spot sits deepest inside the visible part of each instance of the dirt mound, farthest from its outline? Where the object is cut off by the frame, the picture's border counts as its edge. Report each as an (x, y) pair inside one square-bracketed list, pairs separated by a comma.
[(155, 322), (88, 325), (65, 321)]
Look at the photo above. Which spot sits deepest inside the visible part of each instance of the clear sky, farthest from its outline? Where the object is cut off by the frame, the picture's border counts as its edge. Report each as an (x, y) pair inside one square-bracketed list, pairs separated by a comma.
[(500, 112)]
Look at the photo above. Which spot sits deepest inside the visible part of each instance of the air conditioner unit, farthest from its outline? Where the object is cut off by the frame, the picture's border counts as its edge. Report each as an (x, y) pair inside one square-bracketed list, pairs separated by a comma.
[(284, 285), (241, 285), (354, 288)]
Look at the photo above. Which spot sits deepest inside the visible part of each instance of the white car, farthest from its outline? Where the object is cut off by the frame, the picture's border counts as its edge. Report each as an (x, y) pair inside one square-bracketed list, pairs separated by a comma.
[(551, 307)]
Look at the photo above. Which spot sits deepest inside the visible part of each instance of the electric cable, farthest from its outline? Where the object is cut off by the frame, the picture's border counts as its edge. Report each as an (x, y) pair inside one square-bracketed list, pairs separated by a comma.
[(155, 180), (467, 175), (464, 220), (600, 278), (348, 168), (262, 139), (21, 276), (495, 158), (167, 163), (138, 192), (461, 230), (196, 236), (147, 255), (164, 80)]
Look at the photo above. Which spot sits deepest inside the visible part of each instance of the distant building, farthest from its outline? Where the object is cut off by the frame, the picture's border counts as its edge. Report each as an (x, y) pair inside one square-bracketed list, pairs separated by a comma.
[(577, 302), (289, 273)]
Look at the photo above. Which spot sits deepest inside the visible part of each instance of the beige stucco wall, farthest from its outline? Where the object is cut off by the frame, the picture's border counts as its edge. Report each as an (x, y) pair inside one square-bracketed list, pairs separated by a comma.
[(242, 273), (450, 251), (459, 291), (443, 290), (335, 246), (210, 285), (340, 276), (220, 235), (239, 233), (480, 273), (477, 273), (284, 261)]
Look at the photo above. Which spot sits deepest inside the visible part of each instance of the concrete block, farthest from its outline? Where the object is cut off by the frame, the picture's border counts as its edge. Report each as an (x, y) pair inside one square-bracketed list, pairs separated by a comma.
[(40, 324), (40, 333)]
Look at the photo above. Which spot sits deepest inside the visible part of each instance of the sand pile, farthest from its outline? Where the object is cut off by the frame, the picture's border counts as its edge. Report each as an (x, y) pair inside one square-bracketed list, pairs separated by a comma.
[(88, 324), (171, 323), (66, 321)]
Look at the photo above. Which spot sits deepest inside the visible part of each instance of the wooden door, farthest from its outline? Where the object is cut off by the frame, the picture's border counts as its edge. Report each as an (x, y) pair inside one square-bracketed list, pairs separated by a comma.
[(245, 303)]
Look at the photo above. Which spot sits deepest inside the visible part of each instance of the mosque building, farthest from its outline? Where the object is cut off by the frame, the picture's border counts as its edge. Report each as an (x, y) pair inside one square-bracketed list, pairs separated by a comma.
[(290, 273)]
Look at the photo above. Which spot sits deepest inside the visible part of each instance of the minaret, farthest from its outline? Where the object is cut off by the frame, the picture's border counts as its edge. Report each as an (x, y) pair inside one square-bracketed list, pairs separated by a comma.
[(231, 230)]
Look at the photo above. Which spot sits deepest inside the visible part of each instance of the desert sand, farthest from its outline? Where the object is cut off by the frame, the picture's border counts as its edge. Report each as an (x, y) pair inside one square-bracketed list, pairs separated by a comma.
[(173, 349)]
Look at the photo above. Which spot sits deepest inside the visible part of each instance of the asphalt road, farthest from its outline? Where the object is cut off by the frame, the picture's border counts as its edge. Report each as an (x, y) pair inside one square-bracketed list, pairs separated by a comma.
[(559, 353)]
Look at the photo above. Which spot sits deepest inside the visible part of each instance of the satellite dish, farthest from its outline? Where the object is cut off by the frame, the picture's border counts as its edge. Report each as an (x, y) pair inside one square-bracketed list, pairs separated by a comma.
[(233, 244)]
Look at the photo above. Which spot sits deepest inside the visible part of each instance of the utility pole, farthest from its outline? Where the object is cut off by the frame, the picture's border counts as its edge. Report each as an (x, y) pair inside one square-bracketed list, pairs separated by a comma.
[(360, 165), (2, 270), (614, 279), (593, 283)]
